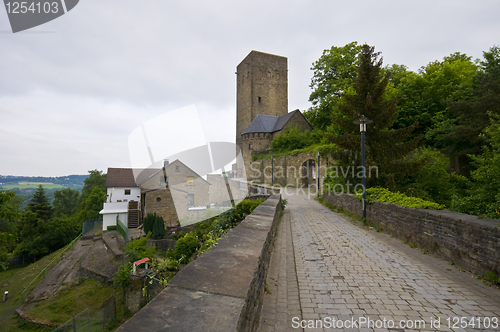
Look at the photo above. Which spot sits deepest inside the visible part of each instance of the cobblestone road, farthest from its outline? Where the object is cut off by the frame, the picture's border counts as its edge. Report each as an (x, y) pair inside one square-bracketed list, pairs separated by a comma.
[(346, 273)]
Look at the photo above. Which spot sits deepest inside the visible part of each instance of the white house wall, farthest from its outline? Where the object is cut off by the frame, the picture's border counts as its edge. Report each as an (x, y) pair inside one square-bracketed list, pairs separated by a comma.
[(118, 193), (108, 220)]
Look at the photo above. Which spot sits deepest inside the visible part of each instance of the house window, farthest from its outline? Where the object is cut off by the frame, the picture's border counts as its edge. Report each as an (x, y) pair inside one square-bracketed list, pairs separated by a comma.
[(176, 168), (190, 198), (190, 180), (127, 191), (163, 180), (250, 146)]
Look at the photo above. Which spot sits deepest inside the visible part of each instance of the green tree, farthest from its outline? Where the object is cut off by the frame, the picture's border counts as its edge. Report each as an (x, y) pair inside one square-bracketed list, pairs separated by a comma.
[(31, 241), (386, 148), (483, 196), (96, 179), (432, 181), (426, 94), (10, 213), (65, 202), (60, 231), (40, 206), (471, 115), (155, 224), (10, 210), (92, 205), (333, 75)]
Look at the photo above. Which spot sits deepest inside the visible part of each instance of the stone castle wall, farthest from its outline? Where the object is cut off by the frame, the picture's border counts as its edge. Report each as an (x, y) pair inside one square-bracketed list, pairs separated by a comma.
[(221, 290)]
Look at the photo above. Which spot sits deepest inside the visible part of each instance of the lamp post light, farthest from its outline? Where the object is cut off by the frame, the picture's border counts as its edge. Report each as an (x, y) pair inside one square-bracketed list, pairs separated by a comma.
[(363, 121)]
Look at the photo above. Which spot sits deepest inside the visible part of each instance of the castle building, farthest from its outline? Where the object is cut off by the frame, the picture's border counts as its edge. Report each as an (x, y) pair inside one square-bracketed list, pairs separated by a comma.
[(262, 103)]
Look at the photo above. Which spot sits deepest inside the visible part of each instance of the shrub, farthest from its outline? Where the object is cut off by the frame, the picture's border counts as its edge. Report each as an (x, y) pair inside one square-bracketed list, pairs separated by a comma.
[(177, 236), (186, 246), (432, 181), (295, 138), (154, 224), (122, 276), (138, 249), (384, 195), (231, 218), (168, 264)]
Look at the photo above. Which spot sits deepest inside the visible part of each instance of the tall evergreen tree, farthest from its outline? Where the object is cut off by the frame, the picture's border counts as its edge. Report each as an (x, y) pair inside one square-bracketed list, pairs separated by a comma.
[(385, 148), (31, 229), (40, 206)]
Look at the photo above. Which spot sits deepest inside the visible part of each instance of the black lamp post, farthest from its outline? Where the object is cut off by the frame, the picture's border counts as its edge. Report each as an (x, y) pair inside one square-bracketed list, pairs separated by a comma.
[(272, 169), (318, 172), (363, 121)]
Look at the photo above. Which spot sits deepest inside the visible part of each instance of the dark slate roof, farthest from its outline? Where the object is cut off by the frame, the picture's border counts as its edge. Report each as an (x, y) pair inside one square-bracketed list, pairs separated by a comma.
[(124, 177), (268, 123), (282, 120), (262, 124)]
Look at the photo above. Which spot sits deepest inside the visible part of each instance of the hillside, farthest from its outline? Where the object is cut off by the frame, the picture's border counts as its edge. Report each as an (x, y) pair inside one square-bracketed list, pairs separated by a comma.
[(25, 186)]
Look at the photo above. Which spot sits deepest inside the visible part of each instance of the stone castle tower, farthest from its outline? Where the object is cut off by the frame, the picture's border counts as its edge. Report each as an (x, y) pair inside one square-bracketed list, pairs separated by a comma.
[(261, 88)]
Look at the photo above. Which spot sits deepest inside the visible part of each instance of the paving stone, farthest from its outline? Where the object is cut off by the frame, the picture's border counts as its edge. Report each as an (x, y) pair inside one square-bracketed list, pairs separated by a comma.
[(329, 266)]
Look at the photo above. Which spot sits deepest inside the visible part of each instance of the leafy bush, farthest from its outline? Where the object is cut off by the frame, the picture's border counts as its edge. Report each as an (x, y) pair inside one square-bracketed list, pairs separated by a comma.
[(122, 276), (168, 264), (138, 249), (295, 138), (231, 218), (154, 224), (384, 195), (432, 181), (177, 236), (186, 246)]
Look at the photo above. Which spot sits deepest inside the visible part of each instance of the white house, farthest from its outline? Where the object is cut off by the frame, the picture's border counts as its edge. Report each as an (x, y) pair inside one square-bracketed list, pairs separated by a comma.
[(123, 196)]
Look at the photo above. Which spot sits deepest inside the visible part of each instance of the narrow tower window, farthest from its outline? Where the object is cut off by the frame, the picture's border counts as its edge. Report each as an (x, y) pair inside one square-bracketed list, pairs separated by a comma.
[(259, 99)]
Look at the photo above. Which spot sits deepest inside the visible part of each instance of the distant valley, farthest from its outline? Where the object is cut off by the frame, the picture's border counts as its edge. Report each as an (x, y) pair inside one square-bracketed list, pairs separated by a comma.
[(25, 186)]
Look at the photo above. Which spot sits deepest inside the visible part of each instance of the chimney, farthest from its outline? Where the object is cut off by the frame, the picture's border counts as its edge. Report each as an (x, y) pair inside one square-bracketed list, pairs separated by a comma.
[(165, 164)]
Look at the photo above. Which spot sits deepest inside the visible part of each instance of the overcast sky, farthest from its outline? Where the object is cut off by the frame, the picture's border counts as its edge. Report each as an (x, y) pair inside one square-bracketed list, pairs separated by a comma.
[(73, 90)]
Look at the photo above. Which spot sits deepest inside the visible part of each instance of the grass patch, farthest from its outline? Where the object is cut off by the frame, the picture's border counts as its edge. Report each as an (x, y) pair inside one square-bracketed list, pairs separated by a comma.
[(73, 300), (15, 281)]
